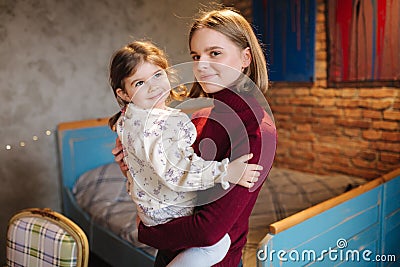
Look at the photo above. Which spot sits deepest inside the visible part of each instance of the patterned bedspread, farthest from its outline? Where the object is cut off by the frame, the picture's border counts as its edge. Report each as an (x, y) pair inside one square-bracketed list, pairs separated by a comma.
[(101, 193)]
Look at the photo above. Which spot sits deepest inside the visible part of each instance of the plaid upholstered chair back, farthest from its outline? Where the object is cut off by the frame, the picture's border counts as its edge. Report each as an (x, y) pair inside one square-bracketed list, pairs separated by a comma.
[(42, 237)]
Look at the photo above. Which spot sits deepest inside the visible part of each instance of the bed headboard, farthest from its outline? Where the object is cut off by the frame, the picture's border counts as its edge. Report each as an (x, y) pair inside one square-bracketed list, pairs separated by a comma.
[(83, 145)]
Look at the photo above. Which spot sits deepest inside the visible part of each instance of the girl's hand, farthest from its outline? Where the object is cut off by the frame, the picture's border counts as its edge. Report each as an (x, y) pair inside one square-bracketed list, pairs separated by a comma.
[(128, 187), (242, 173), (119, 156)]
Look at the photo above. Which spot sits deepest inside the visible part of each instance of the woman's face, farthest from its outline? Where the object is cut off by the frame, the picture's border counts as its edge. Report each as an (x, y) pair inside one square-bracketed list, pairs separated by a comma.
[(218, 62)]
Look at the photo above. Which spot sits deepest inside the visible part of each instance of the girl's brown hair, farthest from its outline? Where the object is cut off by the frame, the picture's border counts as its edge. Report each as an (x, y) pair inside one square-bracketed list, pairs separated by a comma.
[(234, 26), (124, 63)]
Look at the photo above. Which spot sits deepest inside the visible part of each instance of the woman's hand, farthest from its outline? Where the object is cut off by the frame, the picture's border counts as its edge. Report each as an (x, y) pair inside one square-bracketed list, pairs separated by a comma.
[(119, 156), (137, 221)]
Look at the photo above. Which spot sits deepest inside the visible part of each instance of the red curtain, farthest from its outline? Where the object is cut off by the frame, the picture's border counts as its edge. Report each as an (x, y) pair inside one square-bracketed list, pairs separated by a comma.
[(364, 40)]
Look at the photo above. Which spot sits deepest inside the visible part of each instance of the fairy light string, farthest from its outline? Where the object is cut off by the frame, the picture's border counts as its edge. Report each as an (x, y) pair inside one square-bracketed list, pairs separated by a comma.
[(24, 143)]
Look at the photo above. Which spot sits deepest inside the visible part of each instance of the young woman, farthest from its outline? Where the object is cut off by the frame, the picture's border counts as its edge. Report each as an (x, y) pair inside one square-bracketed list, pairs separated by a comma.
[(225, 51), (164, 171)]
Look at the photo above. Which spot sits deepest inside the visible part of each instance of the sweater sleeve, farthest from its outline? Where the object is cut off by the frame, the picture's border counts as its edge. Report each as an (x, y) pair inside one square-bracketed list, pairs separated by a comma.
[(214, 220)]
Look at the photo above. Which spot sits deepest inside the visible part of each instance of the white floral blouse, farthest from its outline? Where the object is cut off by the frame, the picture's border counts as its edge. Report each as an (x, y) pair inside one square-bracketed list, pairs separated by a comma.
[(164, 171)]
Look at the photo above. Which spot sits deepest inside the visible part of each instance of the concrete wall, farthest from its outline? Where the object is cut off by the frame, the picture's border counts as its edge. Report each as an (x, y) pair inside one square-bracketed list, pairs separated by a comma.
[(54, 64)]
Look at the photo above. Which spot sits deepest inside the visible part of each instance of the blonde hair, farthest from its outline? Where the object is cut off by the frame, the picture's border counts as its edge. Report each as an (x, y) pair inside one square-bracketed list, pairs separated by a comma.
[(234, 26)]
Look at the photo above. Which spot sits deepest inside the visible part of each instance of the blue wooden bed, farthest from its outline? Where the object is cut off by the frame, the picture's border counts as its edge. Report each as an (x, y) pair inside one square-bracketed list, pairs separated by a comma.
[(350, 229), (85, 145), (363, 217)]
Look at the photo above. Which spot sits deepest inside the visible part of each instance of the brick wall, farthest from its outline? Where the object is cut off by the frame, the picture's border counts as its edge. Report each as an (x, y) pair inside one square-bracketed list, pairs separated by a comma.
[(355, 131)]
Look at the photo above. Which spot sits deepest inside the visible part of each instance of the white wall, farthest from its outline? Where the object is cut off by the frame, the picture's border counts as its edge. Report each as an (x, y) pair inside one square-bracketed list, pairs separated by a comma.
[(54, 58)]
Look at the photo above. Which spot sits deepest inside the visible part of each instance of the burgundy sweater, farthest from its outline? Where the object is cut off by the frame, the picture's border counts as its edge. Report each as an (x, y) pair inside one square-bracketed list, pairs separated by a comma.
[(237, 125)]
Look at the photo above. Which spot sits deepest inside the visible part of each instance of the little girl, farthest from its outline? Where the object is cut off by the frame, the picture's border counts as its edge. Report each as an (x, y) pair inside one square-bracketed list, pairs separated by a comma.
[(164, 171)]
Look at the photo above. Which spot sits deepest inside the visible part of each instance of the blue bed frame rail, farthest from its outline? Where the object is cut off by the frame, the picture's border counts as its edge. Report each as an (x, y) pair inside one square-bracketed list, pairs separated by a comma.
[(358, 228)]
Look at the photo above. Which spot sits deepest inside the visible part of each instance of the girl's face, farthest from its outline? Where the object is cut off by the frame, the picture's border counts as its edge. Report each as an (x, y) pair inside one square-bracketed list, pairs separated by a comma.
[(218, 62), (148, 88)]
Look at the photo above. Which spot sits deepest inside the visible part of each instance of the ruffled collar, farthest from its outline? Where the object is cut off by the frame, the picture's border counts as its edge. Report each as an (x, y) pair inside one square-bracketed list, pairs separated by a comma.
[(133, 110)]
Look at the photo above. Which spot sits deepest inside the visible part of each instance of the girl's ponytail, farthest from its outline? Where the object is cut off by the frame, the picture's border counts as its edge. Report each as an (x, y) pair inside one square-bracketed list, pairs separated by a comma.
[(113, 120)]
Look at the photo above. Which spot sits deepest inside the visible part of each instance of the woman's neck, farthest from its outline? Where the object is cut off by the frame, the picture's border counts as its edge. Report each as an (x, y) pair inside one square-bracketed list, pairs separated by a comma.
[(227, 99)]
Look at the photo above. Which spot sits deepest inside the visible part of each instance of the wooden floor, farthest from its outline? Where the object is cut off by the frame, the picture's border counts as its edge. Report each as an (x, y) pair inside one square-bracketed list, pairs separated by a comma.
[(95, 261)]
